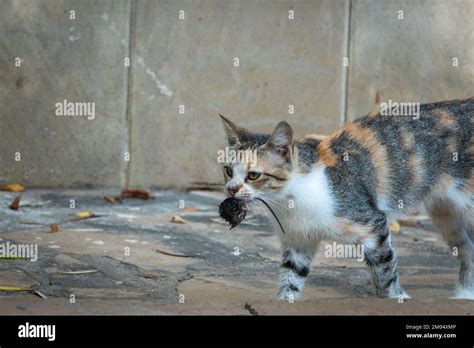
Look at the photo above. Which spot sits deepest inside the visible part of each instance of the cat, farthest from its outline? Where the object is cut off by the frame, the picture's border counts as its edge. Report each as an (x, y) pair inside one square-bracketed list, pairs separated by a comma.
[(346, 187)]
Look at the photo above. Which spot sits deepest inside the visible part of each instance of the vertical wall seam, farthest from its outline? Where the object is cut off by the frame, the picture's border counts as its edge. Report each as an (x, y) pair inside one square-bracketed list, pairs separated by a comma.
[(129, 85), (343, 118)]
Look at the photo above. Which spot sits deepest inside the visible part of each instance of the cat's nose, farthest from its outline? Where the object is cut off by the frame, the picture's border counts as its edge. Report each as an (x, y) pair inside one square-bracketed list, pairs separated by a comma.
[(233, 190)]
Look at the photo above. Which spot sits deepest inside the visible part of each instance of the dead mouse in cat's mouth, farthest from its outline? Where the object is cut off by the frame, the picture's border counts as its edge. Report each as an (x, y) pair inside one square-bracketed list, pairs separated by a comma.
[(233, 210)]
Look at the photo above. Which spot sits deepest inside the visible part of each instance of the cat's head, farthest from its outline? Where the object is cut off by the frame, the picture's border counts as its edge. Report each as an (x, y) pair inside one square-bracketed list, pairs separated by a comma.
[(256, 164)]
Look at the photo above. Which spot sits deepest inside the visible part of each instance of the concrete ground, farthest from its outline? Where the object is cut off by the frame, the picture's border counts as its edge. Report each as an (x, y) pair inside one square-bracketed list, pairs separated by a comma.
[(142, 263)]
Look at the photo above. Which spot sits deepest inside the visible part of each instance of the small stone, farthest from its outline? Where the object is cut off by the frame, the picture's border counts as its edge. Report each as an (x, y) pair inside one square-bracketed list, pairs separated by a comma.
[(178, 219)]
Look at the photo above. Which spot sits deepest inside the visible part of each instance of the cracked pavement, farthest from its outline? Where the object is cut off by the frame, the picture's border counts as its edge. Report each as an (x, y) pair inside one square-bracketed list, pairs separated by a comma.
[(143, 263)]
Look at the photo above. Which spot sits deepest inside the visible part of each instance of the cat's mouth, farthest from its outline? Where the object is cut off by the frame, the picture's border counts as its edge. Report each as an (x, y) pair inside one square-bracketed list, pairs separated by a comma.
[(247, 197)]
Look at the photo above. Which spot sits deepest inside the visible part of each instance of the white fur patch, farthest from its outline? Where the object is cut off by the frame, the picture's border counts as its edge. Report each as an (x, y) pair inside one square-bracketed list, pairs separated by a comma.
[(309, 206)]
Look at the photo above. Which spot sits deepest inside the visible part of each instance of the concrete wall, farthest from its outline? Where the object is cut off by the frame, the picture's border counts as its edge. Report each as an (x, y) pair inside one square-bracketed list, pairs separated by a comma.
[(190, 62)]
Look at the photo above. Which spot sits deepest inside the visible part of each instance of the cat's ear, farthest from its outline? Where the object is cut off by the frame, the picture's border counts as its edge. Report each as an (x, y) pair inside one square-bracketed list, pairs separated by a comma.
[(233, 131), (281, 140)]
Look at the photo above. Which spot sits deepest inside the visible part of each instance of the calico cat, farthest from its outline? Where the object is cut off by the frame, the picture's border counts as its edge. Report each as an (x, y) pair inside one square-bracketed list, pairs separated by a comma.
[(347, 185)]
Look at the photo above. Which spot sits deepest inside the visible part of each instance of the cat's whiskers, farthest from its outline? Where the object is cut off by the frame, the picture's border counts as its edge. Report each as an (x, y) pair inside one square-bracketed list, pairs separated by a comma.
[(280, 208), (253, 205)]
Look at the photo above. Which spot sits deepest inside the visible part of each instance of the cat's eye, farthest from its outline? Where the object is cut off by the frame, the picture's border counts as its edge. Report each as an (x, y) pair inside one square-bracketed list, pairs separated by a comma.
[(253, 175), (229, 171)]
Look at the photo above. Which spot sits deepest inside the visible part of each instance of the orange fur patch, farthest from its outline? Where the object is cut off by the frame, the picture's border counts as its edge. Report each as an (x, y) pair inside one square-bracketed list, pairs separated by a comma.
[(315, 136), (325, 154), (352, 232), (444, 182), (415, 162), (445, 118), (367, 139)]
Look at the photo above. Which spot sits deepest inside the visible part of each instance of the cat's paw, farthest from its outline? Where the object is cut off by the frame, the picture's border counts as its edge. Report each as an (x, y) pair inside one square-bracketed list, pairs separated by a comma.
[(403, 296), (288, 295), (463, 294)]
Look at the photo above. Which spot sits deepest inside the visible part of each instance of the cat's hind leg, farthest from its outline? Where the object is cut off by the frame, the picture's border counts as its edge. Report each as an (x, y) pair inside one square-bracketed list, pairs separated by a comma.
[(454, 219), (382, 260)]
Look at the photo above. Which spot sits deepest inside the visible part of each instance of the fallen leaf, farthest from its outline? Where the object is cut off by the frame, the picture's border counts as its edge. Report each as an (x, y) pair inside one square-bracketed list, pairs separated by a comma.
[(84, 214), (81, 216), (30, 222), (16, 202), (190, 210), (13, 288), (140, 194), (394, 227), (149, 276), (172, 254), (54, 228), (12, 188), (178, 219), (113, 199), (39, 204)]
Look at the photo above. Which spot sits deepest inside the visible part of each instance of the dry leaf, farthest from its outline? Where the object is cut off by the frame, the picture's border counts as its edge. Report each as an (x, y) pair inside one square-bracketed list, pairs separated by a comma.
[(190, 210), (13, 288), (178, 219), (394, 227), (81, 216), (172, 254), (140, 194), (112, 199), (30, 222), (54, 228), (16, 202), (149, 276), (84, 214), (39, 204), (12, 188)]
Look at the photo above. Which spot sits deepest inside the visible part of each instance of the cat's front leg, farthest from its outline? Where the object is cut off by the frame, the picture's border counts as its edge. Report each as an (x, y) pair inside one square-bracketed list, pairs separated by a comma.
[(295, 266)]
